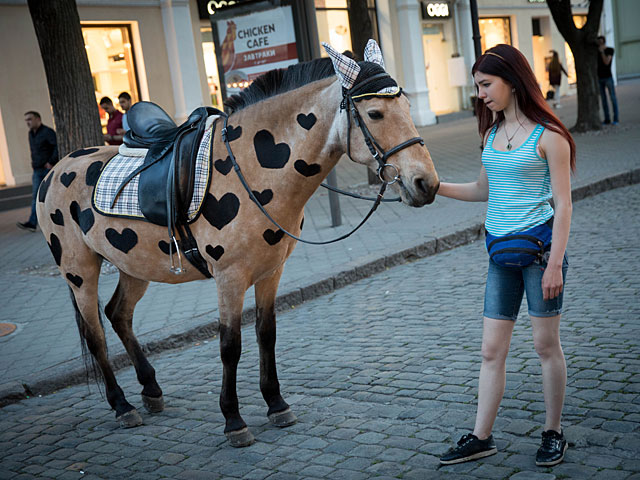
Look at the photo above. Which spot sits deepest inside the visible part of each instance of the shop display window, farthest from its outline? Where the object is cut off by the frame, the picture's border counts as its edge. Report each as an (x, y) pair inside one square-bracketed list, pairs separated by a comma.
[(579, 21), (111, 61), (211, 66), (494, 31), (332, 17)]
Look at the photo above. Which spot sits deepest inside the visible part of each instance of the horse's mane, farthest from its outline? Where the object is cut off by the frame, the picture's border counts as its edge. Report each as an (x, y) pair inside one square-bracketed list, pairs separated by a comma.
[(282, 80)]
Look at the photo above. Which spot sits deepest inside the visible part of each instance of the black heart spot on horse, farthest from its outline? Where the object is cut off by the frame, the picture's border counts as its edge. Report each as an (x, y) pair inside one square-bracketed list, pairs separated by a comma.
[(75, 279), (215, 253), (306, 169), (273, 237), (263, 197), (306, 121), (220, 212), (82, 152), (93, 173), (124, 241), (233, 133), (57, 217), (55, 247), (84, 218), (44, 187), (269, 154), (67, 178), (223, 166), (164, 246)]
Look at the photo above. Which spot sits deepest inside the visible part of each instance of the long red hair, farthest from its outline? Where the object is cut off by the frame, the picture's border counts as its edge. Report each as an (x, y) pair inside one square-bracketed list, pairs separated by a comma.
[(508, 63)]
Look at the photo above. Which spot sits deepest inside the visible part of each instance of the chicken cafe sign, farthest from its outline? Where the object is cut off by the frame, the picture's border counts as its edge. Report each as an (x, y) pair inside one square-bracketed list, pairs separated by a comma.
[(432, 10)]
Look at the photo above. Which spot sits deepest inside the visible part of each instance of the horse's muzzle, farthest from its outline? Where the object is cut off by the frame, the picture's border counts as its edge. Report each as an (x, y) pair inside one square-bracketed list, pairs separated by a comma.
[(422, 191)]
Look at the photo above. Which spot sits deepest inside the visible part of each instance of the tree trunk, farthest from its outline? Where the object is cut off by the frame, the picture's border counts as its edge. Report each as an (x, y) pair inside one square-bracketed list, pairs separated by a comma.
[(73, 99), (360, 26), (588, 89), (584, 46), (361, 31)]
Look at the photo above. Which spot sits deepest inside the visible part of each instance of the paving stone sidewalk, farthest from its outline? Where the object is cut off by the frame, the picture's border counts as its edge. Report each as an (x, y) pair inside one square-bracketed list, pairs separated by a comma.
[(382, 375), (43, 354)]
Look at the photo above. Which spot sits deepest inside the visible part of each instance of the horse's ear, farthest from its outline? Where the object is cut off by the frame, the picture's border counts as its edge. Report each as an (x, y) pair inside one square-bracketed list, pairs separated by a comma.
[(346, 68), (372, 53)]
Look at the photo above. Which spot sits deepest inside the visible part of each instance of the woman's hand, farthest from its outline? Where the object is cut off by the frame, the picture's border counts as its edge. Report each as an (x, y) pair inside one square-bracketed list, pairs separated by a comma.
[(551, 282)]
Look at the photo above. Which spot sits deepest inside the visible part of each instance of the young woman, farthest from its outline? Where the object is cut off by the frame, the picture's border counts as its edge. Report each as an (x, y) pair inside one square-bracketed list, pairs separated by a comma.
[(555, 77), (527, 160)]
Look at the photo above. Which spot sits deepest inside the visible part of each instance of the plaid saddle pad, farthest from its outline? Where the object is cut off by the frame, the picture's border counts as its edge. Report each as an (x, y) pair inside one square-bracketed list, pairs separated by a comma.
[(125, 162)]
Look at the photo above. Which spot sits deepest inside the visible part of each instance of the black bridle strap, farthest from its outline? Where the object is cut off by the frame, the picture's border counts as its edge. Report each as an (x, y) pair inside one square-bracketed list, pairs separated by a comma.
[(359, 197), (236, 167)]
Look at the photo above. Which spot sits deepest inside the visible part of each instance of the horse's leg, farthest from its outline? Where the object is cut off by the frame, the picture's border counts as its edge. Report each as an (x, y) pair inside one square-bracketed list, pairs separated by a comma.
[(85, 301), (119, 311), (279, 413), (230, 301)]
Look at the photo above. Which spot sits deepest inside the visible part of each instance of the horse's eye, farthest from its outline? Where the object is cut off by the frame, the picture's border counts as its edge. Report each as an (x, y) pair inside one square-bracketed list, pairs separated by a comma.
[(375, 115)]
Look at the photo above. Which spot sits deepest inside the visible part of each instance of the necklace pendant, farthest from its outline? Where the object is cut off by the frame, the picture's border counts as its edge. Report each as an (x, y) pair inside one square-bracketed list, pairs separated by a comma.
[(508, 146)]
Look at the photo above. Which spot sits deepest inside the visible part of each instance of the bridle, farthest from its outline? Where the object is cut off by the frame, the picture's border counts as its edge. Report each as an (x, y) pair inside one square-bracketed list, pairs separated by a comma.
[(349, 97)]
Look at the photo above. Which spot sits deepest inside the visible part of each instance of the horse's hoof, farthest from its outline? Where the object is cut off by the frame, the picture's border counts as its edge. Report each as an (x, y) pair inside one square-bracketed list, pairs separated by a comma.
[(240, 438), (130, 419), (153, 404), (283, 418)]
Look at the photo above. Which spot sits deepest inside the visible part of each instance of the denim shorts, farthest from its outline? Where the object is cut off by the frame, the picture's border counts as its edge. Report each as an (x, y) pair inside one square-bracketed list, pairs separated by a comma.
[(505, 287)]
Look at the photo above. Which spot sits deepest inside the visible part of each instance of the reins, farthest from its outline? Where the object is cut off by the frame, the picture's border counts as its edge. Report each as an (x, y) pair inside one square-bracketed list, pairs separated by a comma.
[(378, 153)]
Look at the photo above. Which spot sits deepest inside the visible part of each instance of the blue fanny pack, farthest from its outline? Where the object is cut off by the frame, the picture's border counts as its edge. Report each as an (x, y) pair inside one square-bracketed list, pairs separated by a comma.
[(520, 249)]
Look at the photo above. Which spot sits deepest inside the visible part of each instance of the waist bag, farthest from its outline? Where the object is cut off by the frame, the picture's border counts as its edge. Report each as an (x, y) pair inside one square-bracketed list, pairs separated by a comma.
[(520, 249)]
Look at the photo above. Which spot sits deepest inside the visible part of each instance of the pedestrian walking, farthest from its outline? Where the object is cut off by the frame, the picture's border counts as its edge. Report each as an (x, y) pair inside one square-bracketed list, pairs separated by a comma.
[(124, 99), (527, 160), (44, 155), (555, 78), (605, 79), (114, 124)]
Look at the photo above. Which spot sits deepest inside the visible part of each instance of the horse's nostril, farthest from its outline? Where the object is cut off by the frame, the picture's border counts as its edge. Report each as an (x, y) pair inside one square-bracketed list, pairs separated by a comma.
[(422, 186)]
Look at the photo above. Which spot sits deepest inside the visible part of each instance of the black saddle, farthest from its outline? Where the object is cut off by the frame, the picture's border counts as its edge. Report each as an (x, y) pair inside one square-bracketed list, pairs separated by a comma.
[(167, 175)]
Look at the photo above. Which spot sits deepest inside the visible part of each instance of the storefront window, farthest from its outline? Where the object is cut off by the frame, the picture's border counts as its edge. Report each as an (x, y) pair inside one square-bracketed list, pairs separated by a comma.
[(111, 62), (332, 18), (494, 31), (211, 66), (579, 21)]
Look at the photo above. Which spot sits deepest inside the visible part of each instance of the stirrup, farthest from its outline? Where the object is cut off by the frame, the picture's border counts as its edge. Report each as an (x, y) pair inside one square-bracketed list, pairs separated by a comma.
[(179, 270)]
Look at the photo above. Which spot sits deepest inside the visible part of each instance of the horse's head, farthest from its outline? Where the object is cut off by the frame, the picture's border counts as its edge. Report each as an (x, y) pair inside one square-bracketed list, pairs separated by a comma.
[(376, 128)]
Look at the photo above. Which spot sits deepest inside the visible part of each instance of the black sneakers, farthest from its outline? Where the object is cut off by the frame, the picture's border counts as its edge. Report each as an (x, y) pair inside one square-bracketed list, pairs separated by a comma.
[(27, 226), (552, 450), (469, 447)]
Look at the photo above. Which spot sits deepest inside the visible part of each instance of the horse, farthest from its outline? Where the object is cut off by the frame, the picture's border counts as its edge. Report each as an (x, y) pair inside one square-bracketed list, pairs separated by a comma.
[(286, 131)]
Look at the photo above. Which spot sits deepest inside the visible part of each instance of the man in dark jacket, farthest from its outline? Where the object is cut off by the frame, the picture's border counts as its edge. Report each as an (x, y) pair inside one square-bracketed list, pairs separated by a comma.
[(44, 155)]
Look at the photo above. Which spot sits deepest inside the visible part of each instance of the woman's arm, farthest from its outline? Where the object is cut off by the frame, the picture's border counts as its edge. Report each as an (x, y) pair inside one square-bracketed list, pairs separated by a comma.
[(557, 152), (477, 191)]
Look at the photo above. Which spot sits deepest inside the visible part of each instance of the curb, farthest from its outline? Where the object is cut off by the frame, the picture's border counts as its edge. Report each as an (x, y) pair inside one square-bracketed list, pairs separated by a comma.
[(68, 373)]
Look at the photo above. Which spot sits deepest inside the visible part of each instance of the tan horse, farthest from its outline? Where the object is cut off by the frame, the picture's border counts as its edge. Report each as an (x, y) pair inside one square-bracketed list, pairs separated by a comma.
[(287, 132)]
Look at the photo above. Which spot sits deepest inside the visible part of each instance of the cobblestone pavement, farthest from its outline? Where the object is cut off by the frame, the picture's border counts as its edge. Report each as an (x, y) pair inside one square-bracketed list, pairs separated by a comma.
[(35, 297), (382, 375)]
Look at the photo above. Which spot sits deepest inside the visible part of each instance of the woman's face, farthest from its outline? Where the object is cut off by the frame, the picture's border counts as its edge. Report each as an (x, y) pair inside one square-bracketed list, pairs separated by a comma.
[(493, 91)]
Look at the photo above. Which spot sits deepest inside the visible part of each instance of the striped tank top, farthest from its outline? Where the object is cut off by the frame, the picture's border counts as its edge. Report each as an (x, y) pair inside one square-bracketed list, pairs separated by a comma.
[(519, 186)]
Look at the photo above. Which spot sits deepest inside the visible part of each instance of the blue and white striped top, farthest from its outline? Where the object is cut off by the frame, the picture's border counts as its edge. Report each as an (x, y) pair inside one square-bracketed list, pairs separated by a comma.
[(519, 186)]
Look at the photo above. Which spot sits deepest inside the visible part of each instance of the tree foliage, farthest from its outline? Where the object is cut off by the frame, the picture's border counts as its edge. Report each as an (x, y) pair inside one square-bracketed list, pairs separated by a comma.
[(584, 46), (73, 100)]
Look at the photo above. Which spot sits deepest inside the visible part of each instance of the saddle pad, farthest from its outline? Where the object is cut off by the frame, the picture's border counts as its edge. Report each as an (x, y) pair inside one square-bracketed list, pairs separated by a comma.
[(120, 167)]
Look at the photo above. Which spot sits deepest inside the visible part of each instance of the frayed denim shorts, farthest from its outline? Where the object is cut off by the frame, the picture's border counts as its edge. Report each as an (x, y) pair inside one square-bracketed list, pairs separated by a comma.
[(505, 287)]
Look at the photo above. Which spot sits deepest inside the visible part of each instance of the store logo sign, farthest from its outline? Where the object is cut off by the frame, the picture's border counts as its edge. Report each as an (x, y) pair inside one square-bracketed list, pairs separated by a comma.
[(435, 10)]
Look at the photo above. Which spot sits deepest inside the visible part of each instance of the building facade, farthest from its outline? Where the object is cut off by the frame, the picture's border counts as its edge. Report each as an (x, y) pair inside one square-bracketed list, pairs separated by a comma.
[(173, 52)]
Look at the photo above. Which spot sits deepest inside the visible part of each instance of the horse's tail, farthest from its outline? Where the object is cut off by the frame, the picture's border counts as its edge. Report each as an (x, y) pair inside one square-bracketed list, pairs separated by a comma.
[(92, 369)]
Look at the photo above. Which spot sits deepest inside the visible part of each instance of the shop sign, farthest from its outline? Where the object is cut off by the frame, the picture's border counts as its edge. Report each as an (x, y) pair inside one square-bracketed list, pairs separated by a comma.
[(253, 44), (431, 10), (210, 7)]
